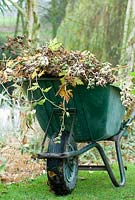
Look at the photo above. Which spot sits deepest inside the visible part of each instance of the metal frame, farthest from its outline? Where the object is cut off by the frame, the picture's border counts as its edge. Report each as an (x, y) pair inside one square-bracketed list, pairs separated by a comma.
[(72, 111), (116, 139)]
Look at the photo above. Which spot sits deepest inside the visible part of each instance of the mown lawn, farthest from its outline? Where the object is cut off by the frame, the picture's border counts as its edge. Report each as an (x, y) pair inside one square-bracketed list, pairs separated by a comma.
[(90, 185)]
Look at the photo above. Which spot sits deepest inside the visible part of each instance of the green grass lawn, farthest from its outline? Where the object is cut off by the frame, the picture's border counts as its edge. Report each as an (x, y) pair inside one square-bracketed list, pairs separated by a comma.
[(90, 185)]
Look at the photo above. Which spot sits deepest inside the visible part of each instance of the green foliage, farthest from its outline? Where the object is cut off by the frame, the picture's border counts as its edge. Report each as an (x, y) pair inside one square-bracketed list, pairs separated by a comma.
[(132, 74), (133, 91), (46, 89), (41, 102), (35, 86), (3, 162), (54, 45)]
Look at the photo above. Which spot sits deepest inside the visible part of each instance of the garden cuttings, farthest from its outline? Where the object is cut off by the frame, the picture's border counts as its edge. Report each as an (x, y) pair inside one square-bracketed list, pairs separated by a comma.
[(21, 62)]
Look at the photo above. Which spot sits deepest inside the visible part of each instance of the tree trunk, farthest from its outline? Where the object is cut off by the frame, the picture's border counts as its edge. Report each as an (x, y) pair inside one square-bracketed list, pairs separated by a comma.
[(128, 48), (54, 22), (19, 15), (33, 24), (17, 24)]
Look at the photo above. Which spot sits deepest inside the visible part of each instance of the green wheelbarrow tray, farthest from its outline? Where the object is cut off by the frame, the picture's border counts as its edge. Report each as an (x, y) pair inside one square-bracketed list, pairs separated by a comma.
[(97, 114)]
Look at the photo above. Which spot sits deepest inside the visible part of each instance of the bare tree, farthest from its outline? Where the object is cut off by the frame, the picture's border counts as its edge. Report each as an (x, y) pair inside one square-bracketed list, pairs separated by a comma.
[(20, 17), (30, 16)]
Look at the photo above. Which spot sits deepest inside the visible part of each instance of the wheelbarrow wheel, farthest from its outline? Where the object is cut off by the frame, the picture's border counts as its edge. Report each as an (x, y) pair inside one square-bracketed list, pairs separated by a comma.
[(62, 173)]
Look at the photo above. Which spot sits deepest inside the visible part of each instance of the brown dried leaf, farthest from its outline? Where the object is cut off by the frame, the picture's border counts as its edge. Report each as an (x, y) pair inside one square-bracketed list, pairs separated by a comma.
[(64, 93), (24, 140), (51, 174)]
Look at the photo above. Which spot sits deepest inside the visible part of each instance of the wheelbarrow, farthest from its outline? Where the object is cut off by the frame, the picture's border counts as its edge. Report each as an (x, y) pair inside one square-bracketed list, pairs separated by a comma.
[(93, 115)]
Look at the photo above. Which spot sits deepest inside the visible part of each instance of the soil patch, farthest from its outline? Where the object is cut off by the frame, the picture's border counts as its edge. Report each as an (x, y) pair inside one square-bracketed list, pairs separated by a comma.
[(16, 167)]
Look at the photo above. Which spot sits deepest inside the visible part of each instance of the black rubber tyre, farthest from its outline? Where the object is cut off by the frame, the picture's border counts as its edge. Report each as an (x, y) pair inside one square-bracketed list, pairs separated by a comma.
[(62, 173)]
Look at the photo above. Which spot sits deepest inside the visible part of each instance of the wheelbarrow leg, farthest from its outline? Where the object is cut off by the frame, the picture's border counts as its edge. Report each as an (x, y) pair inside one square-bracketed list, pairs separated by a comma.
[(120, 163), (117, 139), (107, 165)]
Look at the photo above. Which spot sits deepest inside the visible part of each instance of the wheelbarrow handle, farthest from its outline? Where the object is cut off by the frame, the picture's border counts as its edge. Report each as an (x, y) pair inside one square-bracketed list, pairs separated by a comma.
[(132, 116)]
